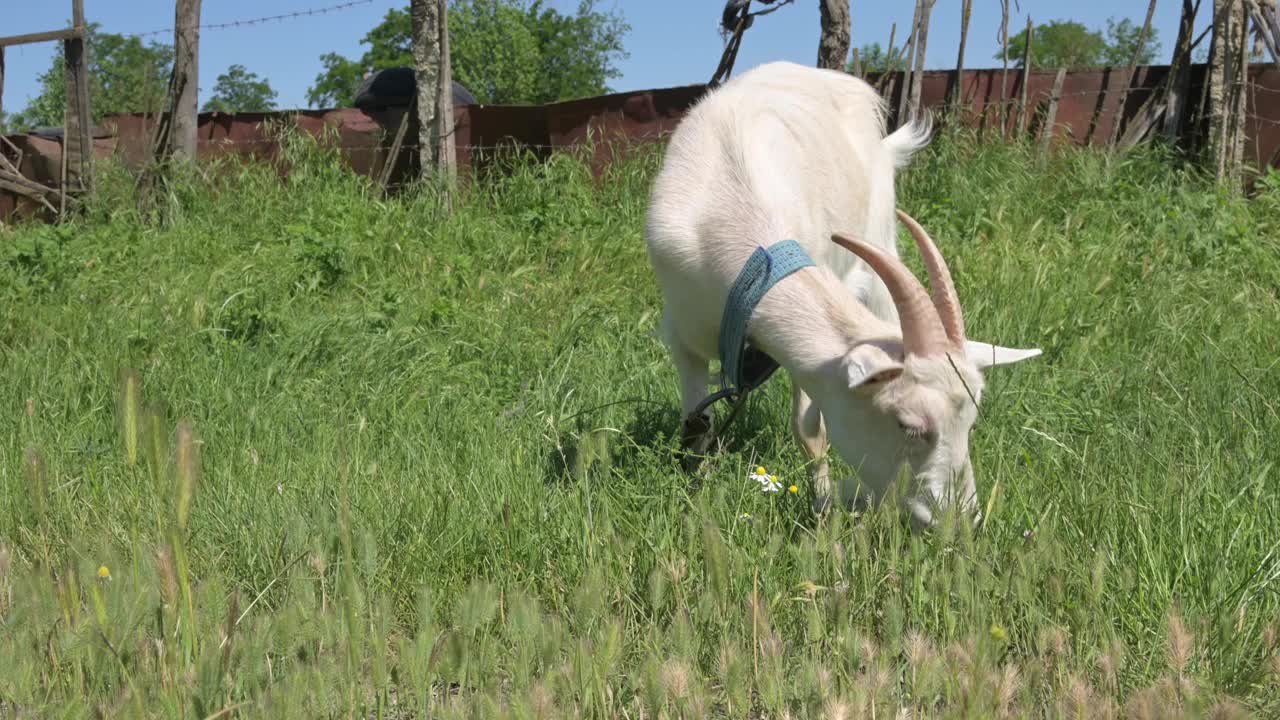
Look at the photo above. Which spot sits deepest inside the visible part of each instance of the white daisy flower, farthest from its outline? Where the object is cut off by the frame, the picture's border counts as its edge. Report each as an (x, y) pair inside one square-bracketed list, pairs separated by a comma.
[(771, 484)]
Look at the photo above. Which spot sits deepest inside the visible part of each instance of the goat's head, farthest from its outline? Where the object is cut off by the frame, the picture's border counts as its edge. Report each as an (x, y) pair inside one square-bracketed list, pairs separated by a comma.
[(913, 400)]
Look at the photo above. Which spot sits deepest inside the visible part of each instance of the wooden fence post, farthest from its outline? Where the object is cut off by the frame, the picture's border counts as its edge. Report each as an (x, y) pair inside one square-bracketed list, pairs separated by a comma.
[(1026, 76), (922, 42), (185, 85), (446, 155), (966, 9), (426, 60), (855, 66), (910, 68), (1051, 115), (1004, 67), (1180, 74), (77, 135), (426, 19), (1266, 21), (1118, 115), (887, 76)]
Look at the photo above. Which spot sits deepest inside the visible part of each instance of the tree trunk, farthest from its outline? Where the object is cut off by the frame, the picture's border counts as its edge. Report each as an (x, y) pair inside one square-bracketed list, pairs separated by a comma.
[(186, 81), (1239, 91), (966, 9), (425, 16), (833, 47), (1227, 77), (922, 41), (77, 138)]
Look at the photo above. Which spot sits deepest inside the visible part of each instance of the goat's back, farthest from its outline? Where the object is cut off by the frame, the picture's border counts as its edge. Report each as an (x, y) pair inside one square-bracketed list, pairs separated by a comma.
[(783, 151)]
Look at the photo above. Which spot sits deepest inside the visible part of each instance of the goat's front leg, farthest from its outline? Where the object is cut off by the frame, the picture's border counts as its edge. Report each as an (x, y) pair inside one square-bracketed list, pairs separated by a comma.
[(811, 433), (696, 429)]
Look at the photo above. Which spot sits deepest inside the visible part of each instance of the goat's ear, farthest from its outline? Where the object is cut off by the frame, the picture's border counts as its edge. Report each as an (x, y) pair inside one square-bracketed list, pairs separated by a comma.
[(869, 367), (986, 355)]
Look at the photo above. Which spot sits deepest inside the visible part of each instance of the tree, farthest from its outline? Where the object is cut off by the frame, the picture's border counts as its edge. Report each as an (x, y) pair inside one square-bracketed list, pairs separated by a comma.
[(239, 90), (504, 51), (875, 59), (1059, 43), (1065, 43), (124, 75), (1122, 42)]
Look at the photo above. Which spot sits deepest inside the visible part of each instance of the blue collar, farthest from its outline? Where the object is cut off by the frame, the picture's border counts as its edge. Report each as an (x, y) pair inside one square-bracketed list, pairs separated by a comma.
[(743, 368)]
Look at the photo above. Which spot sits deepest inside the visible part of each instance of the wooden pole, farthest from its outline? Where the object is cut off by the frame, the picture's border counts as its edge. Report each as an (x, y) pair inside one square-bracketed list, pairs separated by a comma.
[(1266, 21), (833, 44), (1118, 116), (77, 137), (1004, 67), (1239, 92), (922, 42), (393, 154), (886, 77), (1180, 74), (1051, 115), (966, 9), (446, 155), (1, 82), (910, 68), (186, 81), (1026, 76), (855, 67)]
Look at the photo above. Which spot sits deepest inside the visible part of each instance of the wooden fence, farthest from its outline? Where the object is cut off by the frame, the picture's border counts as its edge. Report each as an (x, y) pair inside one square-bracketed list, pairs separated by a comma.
[(1086, 110)]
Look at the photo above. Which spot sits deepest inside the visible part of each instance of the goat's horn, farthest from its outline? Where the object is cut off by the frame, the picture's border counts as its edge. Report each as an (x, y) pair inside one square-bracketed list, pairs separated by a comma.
[(922, 331), (945, 298)]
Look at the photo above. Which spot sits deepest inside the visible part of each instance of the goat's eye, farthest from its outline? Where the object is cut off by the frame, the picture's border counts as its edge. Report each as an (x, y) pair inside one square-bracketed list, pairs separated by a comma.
[(914, 432)]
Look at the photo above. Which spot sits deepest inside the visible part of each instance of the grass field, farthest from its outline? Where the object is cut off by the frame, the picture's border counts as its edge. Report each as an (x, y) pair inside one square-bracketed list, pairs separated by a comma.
[(297, 451)]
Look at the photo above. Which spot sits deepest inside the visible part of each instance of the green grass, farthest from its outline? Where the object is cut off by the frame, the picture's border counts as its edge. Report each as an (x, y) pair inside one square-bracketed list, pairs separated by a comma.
[(346, 456)]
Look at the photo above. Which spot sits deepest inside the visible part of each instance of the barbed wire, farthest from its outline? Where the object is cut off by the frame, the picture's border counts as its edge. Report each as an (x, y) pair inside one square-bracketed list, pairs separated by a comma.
[(261, 20)]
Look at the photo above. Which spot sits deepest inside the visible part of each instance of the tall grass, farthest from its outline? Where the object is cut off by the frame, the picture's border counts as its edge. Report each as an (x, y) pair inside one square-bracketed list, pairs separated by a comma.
[(289, 449)]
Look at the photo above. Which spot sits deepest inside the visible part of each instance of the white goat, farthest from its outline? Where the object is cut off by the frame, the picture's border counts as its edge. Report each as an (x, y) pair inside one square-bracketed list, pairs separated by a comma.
[(784, 152)]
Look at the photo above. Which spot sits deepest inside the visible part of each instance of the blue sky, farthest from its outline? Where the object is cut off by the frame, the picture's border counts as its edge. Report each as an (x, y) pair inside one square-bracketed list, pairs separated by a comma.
[(671, 42)]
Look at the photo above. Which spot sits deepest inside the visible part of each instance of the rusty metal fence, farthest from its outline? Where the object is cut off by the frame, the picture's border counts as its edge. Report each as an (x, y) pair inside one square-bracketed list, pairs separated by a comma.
[(1085, 113)]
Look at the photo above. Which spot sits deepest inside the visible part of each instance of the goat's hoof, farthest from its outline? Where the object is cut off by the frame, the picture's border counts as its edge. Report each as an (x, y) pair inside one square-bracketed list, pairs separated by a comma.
[(821, 504), (695, 438)]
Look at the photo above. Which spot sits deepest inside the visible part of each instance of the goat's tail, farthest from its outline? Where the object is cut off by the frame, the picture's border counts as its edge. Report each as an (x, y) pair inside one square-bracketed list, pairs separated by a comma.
[(908, 139)]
